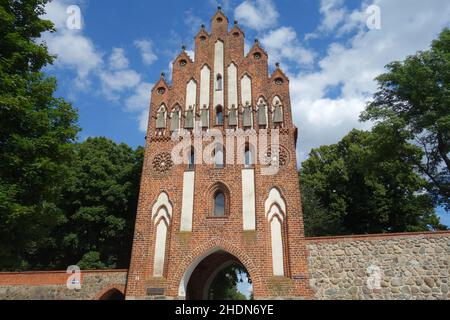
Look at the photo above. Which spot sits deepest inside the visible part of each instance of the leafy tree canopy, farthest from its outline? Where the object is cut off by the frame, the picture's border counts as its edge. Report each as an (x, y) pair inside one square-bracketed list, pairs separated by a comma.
[(366, 184), (414, 98), (100, 199), (36, 135), (225, 285)]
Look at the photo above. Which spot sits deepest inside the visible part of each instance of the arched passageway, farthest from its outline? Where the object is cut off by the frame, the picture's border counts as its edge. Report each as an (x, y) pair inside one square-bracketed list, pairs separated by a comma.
[(220, 276), (113, 294)]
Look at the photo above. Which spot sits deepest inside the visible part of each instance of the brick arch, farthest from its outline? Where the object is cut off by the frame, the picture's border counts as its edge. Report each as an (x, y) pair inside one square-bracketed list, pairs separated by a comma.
[(181, 278), (206, 64), (210, 193), (233, 62), (175, 105), (248, 75), (192, 79), (117, 287), (262, 96), (220, 185)]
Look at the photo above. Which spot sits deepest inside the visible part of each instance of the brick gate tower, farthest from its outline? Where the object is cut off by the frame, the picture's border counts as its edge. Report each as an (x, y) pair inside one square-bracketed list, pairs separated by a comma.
[(232, 200)]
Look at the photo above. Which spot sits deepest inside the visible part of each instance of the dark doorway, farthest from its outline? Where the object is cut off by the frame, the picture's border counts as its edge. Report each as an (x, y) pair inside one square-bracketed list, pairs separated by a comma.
[(220, 276), (112, 294)]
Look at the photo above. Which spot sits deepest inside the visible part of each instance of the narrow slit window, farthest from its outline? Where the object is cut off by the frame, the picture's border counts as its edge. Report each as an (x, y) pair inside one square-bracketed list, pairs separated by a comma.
[(248, 160), (219, 116), (191, 165), (219, 79)]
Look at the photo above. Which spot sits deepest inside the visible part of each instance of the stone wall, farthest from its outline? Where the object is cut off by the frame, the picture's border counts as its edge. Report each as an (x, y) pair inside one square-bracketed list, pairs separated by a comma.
[(412, 266), (52, 285)]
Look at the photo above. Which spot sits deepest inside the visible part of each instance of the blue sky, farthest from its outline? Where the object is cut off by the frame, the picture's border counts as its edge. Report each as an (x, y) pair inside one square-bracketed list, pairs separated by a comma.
[(326, 47)]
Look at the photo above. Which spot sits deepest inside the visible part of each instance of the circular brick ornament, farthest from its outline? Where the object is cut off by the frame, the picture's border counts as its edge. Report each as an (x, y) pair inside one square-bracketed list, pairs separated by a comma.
[(282, 155), (163, 163)]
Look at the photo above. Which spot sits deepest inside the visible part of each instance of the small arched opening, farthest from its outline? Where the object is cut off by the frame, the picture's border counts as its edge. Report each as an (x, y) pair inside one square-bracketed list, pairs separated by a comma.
[(219, 116), (219, 204), (220, 200), (219, 82), (112, 294), (249, 156), (191, 159)]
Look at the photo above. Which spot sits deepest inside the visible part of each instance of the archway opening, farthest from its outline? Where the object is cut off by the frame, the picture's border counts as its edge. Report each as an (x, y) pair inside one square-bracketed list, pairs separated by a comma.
[(220, 276), (113, 294)]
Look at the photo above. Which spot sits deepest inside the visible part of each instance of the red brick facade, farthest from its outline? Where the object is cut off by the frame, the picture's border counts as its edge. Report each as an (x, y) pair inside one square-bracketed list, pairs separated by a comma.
[(252, 248)]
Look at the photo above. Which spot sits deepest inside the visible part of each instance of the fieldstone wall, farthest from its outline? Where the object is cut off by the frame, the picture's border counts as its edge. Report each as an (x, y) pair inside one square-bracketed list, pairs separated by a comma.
[(52, 285), (405, 267)]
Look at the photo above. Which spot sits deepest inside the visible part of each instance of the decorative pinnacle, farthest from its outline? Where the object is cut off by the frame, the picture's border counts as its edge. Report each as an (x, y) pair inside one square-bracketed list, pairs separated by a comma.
[(163, 75), (203, 26), (219, 8), (256, 40), (183, 47), (235, 22), (277, 64)]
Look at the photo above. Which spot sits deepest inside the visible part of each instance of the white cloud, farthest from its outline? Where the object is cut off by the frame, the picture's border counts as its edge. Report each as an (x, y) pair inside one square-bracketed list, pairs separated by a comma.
[(352, 66), (146, 48), (282, 44), (338, 19), (333, 14), (191, 54), (139, 103), (114, 82), (73, 50), (192, 21), (118, 83), (140, 98), (117, 59), (257, 14), (56, 12)]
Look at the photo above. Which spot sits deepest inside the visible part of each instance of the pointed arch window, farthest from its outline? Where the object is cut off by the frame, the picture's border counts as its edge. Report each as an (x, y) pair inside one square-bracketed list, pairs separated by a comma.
[(219, 204)]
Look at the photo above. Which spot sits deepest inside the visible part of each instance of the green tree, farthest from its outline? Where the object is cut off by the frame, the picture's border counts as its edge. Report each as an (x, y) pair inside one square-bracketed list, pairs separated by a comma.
[(414, 98), (318, 220), (367, 184), (225, 285), (100, 200), (36, 133)]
